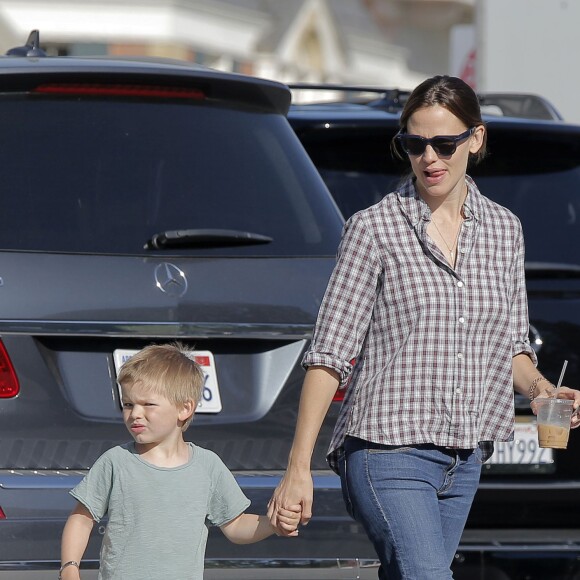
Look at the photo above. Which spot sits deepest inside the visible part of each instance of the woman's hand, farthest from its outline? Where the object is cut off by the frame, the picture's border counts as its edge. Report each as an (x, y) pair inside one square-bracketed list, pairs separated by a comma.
[(295, 488), (563, 393), (567, 393)]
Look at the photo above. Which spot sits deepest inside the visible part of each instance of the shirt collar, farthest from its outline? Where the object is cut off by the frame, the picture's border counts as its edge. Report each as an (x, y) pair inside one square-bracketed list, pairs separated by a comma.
[(473, 206), (415, 207)]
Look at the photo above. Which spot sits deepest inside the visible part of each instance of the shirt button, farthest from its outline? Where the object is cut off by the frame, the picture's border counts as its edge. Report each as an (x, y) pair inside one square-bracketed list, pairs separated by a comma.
[(462, 250), (461, 319), (458, 390), (460, 284), (467, 223), (460, 355)]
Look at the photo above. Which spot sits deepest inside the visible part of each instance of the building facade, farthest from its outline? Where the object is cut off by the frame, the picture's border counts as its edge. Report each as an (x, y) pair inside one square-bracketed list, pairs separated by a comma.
[(359, 42)]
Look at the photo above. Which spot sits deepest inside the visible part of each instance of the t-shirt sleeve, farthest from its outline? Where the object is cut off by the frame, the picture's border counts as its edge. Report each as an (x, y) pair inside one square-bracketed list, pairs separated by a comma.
[(94, 490), (227, 500)]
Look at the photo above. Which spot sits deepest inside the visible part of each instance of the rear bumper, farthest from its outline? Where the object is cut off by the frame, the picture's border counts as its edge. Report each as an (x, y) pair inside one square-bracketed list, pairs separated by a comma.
[(331, 547), (513, 554), (226, 570)]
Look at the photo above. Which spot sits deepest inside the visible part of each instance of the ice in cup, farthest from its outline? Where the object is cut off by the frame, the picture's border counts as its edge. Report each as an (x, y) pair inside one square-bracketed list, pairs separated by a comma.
[(553, 419)]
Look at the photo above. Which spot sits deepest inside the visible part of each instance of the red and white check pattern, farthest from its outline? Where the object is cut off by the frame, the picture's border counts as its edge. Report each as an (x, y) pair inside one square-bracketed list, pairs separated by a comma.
[(434, 345)]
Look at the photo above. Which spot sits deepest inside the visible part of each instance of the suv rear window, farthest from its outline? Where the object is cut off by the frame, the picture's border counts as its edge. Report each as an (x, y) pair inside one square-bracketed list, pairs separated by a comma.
[(534, 171), (536, 174), (90, 175)]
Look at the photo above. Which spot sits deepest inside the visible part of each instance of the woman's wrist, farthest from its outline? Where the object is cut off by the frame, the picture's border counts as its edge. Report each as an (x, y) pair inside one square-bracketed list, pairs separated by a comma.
[(299, 460), (540, 385), (299, 466), (70, 569)]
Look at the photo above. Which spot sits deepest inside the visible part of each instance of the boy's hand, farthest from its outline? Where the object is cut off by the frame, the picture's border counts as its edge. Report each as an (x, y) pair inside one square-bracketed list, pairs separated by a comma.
[(288, 520)]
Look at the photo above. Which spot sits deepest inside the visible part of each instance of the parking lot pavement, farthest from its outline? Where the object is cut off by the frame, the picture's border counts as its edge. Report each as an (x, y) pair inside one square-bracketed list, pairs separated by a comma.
[(211, 575), (289, 575)]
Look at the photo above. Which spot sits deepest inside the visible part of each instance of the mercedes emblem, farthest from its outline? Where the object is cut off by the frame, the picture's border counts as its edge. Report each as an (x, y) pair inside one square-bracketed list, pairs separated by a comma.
[(170, 279)]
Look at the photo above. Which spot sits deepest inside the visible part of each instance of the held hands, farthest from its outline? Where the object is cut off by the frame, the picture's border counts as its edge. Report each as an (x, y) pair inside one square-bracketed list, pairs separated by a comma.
[(288, 520), (563, 393), (294, 490)]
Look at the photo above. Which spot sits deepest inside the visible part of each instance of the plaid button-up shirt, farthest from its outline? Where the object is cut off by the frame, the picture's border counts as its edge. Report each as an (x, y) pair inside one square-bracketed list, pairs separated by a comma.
[(433, 344)]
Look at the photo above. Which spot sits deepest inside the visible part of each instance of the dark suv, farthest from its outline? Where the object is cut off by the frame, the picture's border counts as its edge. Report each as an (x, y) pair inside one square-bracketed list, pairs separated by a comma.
[(528, 503), (147, 201)]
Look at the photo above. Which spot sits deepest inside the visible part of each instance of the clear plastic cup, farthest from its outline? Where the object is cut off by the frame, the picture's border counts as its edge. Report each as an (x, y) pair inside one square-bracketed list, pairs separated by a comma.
[(553, 419)]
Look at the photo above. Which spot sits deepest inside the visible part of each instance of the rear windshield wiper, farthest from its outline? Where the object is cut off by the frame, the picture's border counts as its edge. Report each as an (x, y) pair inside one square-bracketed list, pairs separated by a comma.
[(208, 238), (552, 270)]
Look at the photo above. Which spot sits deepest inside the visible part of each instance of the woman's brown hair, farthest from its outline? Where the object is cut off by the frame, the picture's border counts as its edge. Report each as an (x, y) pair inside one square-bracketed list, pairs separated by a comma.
[(451, 93)]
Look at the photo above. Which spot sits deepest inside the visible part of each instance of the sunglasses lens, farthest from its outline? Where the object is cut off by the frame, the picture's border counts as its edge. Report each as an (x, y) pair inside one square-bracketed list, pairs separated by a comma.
[(444, 147), (413, 145)]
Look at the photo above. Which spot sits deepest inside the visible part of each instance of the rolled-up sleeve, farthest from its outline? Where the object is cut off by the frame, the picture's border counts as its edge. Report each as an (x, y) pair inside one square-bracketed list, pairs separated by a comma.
[(519, 314), (346, 310)]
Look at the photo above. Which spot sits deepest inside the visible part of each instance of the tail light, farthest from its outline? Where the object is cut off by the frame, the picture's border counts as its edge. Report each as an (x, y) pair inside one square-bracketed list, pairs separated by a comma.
[(339, 395), (2, 514), (9, 385)]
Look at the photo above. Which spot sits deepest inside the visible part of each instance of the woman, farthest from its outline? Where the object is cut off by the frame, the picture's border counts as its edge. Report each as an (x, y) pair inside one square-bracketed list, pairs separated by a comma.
[(428, 297)]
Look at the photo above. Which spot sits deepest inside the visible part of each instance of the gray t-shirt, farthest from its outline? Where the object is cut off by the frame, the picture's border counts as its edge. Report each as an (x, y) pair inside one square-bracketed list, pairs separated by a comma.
[(158, 516)]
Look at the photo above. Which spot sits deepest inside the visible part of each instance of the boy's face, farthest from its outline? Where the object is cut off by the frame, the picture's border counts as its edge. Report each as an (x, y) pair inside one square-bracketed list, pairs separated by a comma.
[(150, 417)]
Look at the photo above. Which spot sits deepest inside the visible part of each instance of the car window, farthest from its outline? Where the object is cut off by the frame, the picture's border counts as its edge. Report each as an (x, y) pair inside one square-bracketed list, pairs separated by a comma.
[(355, 163), (104, 176), (535, 174)]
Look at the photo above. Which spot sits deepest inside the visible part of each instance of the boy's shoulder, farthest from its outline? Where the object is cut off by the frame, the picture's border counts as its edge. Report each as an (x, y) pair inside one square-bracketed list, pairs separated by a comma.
[(207, 457), (111, 459), (114, 454), (211, 464)]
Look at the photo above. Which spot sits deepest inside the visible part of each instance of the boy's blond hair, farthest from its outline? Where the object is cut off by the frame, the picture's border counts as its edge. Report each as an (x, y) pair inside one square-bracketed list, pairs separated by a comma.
[(168, 370)]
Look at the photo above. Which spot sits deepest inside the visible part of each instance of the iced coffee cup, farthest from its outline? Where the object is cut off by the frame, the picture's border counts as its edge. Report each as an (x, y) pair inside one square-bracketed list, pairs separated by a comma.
[(553, 418)]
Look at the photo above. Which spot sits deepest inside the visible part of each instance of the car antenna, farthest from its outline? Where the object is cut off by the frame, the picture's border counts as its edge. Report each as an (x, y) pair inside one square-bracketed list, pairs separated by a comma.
[(31, 48)]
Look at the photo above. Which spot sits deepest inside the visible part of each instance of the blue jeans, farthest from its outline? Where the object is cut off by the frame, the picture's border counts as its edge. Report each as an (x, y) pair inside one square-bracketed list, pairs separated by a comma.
[(412, 501)]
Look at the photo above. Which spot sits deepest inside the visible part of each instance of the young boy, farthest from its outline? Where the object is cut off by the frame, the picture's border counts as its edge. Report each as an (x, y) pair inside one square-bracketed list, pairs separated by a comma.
[(159, 490)]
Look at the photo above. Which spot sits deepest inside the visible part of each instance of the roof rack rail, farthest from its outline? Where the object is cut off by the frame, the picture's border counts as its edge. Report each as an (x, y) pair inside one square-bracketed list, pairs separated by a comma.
[(31, 48), (391, 100), (520, 105)]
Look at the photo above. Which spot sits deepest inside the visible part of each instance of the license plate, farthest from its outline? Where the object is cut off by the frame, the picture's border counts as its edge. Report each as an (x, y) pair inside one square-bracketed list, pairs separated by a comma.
[(210, 400), (523, 453)]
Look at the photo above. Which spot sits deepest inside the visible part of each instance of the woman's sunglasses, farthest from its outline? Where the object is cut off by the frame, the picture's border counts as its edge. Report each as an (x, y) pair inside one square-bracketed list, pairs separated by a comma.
[(443, 145)]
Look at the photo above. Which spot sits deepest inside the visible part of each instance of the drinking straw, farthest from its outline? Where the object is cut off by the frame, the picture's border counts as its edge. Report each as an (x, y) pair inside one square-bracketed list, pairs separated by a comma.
[(558, 385), (560, 379)]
